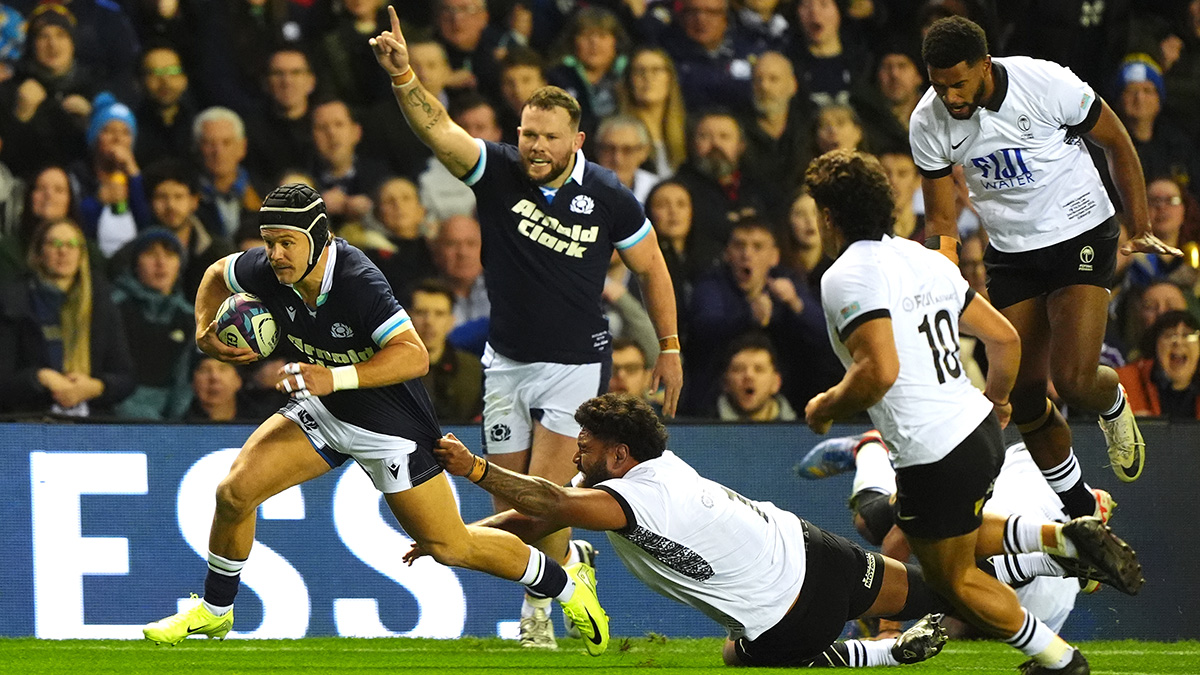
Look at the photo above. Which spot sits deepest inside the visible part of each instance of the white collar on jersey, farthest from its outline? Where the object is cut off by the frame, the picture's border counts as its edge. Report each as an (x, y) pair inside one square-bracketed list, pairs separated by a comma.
[(577, 172), (326, 278)]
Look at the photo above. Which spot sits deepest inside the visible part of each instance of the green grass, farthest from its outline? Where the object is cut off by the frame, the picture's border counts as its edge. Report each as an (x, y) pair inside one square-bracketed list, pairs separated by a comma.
[(27, 656)]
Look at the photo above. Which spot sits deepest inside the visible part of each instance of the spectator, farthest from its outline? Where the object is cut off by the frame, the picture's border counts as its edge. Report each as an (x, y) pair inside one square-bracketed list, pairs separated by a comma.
[(751, 385), (762, 24), (346, 64), (1180, 48), (50, 197), (455, 377), (521, 74), (1139, 310), (593, 45), (825, 65), (12, 191), (12, 40), (62, 346), (44, 109), (899, 84), (281, 137), (1163, 149), (777, 141), (456, 253), (902, 174), (218, 394), (225, 189), (407, 257), (650, 92), (345, 178), (236, 40), (166, 113), (386, 134), (462, 26), (1166, 381), (105, 40), (161, 323), (688, 256), (715, 175), (623, 145), (713, 59), (747, 294), (838, 128), (803, 251), (1166, 200), (113, 198), (174, 200), (631, 372), (442, 193)]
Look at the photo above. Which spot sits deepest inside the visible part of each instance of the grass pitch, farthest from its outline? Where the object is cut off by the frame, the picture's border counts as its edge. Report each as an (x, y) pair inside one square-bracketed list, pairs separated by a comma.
[(27, 656)]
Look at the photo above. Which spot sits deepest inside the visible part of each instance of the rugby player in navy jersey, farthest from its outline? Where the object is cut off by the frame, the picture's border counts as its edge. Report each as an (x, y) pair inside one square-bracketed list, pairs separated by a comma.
[(353, 368), (550, 220)]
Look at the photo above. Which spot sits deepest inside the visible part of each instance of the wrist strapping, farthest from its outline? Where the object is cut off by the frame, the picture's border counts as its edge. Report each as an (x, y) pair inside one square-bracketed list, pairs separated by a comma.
[(404, 80), (344, 377), (945, 245), (479, 469), (669, 344)]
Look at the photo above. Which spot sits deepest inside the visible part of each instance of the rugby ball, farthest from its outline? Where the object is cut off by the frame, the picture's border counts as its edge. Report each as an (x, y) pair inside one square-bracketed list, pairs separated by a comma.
[(244, 321)]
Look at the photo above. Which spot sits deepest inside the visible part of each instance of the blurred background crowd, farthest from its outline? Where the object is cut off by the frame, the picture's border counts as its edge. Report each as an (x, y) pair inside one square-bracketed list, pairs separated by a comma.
[(137, 137)]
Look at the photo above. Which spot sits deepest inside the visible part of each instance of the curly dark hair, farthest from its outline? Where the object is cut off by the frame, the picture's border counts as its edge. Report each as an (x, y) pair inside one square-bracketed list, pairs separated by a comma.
[(621, 418), (855, 189), (953, 40)]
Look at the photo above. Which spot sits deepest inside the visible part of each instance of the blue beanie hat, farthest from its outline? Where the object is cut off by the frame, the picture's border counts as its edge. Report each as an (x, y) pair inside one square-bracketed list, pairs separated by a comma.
[(106, 108), (1140, 68)]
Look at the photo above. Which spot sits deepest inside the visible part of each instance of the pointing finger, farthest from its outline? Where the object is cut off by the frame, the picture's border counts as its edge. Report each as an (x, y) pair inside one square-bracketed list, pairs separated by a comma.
[(395, 20)]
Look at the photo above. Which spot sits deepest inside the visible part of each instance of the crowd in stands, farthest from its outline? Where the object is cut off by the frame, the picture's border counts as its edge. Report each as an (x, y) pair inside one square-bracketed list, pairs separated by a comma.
[(136, 140)]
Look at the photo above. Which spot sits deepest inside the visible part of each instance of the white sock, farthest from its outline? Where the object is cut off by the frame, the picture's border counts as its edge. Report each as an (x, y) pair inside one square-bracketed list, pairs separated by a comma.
[(217, 611), (572, 555), (1036, 640), (1117, 405), (1014, 569), (1064, 476), (876, 652), (873, 470), (531, 603), (1022, 535)]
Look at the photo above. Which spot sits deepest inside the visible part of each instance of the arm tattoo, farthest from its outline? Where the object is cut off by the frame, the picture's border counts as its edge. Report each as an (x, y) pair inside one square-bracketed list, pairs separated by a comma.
[(530, 495), (417, 99)]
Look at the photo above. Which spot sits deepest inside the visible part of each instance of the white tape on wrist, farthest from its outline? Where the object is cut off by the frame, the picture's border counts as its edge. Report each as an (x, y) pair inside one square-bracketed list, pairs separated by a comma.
[(344, 377)]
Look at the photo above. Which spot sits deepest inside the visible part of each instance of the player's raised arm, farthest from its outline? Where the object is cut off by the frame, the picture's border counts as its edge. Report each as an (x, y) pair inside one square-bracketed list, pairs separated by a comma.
[(211, 294), (453, 146)]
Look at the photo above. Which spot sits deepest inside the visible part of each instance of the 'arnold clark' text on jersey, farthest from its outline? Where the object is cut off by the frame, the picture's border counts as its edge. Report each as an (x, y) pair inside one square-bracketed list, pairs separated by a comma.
[(545, 259)]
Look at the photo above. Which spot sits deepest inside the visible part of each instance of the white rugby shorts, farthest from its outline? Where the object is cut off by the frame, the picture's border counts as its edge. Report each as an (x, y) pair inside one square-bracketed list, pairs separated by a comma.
[(514, 393)]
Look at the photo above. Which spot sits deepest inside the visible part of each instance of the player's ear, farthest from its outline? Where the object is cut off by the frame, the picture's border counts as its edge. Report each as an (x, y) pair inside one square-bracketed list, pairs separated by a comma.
[(579, 138)]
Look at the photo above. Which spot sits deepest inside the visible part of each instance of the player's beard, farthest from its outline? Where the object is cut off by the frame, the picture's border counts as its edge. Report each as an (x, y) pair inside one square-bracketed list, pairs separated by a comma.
[(972, 105), (556, 169)]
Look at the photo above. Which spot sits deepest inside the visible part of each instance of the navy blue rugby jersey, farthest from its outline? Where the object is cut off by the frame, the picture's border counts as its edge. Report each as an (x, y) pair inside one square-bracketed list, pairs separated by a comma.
[(545, 260), (356, 313)]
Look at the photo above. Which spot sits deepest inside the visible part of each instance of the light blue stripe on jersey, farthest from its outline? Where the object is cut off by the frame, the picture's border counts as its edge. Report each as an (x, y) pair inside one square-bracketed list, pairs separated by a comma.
[(230, 280), (396, 324), (635, 237), (477, 173)]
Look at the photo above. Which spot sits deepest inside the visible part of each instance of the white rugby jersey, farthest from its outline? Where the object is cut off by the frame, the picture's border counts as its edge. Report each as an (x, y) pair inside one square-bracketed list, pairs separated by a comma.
[(1029, 175), (932, 406), (738, 561)]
